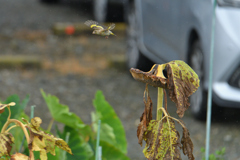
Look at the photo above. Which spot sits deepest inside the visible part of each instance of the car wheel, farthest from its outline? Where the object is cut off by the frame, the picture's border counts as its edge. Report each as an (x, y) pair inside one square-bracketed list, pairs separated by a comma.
[(135, 59), (198, 100), (49, 1), (100, 10)]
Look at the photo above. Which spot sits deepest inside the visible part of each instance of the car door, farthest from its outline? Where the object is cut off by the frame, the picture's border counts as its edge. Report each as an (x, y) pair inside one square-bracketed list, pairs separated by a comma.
[(160, 27)]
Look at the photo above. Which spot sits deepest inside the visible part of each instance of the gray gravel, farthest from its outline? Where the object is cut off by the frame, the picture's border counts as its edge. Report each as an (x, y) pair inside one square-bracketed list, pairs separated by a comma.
[(74, 68)]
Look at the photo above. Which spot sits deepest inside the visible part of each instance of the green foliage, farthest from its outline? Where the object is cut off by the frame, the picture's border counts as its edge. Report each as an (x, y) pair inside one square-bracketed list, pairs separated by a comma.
[(111, 152), (61, 112), (17, 112), (219, 154), (80, 148), (110, 122), (82, 138)]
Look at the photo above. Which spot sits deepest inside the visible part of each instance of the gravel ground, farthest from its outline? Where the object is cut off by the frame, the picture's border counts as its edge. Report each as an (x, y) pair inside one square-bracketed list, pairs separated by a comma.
[(75, 67)]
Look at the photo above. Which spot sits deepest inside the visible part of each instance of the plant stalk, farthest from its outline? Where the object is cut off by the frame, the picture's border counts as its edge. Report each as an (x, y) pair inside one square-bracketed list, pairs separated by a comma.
[(50, 125), (7, 122), (98, 139), (10, 128), (159, 103), (31, 116), (66, 140)]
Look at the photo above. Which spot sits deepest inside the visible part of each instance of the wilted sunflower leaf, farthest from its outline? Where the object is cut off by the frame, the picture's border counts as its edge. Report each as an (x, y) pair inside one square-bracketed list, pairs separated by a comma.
[(146, 116), (43, 142), (187, 144), (19, 156), (63, 145), (162, 140), (6, 141), (154, 77), (182, 82), (179, 78)]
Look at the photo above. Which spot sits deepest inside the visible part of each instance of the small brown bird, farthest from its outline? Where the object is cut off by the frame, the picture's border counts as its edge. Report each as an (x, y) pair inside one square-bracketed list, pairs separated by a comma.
[(100, 30)]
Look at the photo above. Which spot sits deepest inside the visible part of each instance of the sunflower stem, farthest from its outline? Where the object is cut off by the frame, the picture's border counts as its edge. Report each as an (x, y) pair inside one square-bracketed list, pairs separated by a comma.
[(159, 103)]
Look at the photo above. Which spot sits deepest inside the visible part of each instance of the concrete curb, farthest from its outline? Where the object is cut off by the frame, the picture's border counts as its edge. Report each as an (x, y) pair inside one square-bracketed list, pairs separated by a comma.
[(80, 28), (13, 61)]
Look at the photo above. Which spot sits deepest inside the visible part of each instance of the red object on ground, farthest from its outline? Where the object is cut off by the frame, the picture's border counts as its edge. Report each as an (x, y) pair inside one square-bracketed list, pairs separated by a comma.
[(69, 30)]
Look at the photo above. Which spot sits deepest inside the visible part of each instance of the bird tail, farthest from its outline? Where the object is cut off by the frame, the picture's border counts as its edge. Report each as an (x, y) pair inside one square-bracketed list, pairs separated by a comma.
[(113, 34)]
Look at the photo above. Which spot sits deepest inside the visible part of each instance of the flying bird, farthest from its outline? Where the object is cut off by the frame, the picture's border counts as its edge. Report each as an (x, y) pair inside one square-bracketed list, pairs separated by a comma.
[(100, 30)]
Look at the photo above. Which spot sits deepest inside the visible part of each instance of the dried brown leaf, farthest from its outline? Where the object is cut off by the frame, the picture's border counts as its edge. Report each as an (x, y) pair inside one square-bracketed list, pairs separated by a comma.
[(153, 77), (43, 142), (6, 141), (182, 82), (162, 141), (3, 106), (187, 144), (19, 156), (146, 116)]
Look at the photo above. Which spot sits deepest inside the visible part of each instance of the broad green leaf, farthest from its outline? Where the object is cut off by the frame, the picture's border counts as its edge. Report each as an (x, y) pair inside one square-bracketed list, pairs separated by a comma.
[(80, 147), (61, 112), (16, 110), (108, 116), (56, 157), (49, 155), (106, 131), (110, 152)]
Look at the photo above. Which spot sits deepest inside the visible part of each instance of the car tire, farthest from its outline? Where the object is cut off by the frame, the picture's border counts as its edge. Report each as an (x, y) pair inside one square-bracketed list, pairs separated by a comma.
[(135, 59), (198, 100), (49, 1)]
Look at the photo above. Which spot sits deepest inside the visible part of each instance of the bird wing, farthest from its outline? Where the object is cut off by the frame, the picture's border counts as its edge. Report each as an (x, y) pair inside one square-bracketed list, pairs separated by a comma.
[(111, 26), (93, 24)]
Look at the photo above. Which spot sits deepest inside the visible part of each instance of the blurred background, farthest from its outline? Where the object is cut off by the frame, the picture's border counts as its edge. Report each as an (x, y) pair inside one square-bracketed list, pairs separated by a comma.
[(45, 45)]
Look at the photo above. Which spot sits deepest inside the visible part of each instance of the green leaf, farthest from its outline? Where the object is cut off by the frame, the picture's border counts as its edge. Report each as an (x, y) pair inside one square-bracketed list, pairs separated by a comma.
[(202, 150), (80, 147), (56, 157), (108, 116), (61, 112), (111, 152), (212, 157), (16, 110), (106, 131)]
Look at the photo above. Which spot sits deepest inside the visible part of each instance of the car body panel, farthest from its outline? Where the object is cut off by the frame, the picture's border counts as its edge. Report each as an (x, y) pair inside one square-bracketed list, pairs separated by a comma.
[(165, 28)]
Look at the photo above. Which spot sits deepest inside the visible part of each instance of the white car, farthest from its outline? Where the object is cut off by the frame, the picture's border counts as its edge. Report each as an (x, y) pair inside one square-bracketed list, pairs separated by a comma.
[(166, 30)]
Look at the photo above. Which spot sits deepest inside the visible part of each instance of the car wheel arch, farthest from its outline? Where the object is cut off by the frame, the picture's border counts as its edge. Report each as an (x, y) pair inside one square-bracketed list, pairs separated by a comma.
[(192, 38)]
